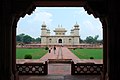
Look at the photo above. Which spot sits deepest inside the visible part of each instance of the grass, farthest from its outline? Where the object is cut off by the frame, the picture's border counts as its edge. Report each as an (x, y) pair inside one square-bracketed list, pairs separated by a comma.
[(87, 53), (36, 53)]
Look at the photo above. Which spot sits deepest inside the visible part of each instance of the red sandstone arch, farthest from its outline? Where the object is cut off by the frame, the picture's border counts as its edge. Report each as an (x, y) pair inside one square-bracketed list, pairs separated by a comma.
[(23, 7), (87, 5)]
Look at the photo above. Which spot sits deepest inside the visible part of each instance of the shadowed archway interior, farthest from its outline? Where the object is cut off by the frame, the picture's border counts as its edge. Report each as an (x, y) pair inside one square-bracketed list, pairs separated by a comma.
[(59, 40), (106, 10)]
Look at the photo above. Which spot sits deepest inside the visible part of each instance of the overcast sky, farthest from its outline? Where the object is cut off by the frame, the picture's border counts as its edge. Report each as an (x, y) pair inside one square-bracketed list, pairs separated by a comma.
[(65, 16)]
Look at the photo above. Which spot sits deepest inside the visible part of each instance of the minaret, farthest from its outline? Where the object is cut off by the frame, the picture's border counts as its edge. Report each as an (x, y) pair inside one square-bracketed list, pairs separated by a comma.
[(76, 29), (72, 32), (43, 30), (48, 32)]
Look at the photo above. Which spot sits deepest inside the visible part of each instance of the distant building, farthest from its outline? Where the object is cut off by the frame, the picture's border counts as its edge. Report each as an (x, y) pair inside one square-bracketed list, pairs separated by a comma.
[(60, 38)]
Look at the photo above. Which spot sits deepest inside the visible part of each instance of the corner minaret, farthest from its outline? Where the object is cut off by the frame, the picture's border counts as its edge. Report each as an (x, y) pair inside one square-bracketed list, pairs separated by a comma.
[(48, 32), (76, 29), (43, 30), (72, 32)]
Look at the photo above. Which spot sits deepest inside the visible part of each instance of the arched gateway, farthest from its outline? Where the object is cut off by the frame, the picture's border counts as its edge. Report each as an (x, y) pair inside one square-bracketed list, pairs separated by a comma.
[(106, 10)]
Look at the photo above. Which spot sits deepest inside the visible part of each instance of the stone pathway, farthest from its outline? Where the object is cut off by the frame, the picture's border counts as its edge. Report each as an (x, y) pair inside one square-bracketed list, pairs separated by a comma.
[(65, 53)]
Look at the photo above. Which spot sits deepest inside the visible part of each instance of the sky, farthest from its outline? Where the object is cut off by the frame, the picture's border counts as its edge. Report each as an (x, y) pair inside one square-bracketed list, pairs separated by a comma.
[(66, 17)]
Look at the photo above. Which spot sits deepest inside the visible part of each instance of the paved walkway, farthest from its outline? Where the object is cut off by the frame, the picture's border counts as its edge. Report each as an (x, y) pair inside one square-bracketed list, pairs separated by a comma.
[(65, 53), (60, 53)]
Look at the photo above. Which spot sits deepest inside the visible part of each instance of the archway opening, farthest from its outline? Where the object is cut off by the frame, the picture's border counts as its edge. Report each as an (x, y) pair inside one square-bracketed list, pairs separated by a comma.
[(59, 40), (73, 39)]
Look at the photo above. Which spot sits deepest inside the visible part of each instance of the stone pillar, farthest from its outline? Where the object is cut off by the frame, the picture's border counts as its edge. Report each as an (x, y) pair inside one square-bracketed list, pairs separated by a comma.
[(114, 40), (114, 48), (6, 50), (105, 47), (14, 53), (6, 41)]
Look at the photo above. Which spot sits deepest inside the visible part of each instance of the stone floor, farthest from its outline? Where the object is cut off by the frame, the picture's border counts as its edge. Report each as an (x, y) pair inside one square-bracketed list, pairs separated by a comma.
[(59, 69), (60, 77)]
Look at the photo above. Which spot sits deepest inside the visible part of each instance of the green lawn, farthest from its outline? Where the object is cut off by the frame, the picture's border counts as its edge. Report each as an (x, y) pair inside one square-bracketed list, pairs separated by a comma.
[(36, 53), (87, 53)]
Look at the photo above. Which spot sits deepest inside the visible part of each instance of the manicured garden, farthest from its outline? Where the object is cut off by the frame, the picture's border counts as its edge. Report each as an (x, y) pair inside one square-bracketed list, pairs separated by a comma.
[(88, 53), (38, 53), (35, 53)]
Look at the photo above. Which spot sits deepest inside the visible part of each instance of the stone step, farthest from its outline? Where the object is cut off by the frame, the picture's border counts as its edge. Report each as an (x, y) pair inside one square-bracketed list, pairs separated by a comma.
[(59, 60)]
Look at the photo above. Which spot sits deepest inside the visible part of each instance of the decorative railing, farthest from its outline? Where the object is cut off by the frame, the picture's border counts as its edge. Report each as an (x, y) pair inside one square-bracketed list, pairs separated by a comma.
[(32, 68), (86, 68)]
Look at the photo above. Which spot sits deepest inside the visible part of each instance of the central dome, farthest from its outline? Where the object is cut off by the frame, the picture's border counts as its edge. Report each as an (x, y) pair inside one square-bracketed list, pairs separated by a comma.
[(60, 29)]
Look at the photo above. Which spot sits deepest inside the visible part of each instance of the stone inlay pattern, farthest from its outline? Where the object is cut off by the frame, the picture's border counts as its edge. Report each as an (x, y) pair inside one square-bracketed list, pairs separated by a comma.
[(32, 68), (86, 68)]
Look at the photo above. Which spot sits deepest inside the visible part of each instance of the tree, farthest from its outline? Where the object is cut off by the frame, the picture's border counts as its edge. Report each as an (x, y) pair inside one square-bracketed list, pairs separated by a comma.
[(27, 39), (100, 41), (38, 40), (33, 40), (81, 41), (92, 40), (89, 39), (95, 38), (18, 38), (22, 38)]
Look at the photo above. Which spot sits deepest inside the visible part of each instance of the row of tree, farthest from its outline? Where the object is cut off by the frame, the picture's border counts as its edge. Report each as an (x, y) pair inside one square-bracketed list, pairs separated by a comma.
[(92, 40), (22, 38)]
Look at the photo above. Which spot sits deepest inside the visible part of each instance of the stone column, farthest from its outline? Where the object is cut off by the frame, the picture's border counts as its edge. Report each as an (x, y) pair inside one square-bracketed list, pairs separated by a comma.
[(105, 47), (6, 49), (14, 52), (114, 40), (6, 40), (114, 49)]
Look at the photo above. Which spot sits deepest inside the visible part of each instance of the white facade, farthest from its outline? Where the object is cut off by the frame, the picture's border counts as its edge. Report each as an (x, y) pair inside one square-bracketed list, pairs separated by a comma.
[(60, 38)]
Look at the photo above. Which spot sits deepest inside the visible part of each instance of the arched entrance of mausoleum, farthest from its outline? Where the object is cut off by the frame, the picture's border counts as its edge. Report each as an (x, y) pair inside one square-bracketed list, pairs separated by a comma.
[(60, 41)]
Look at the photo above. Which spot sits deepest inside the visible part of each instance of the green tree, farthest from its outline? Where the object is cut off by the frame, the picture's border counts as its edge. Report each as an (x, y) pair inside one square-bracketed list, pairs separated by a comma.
[(81, 40), (89, 39), (92, 40), (22, 36), (95, 39), (19, 38), (33, 40), (38, 40), (27, 39)]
